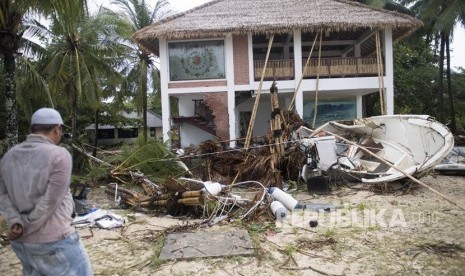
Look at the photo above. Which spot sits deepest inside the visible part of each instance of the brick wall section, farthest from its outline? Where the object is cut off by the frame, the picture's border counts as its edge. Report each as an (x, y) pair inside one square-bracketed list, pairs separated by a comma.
[(241, 59), (218, 103), (197, 84)]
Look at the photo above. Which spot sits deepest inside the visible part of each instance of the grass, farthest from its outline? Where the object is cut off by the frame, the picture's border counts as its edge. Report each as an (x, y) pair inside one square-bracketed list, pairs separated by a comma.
[(3, 230), (362, 206), (236, 259), (295, 230), (158, 246), (3, 227), (289, 250), (255, 229), (330, 233)]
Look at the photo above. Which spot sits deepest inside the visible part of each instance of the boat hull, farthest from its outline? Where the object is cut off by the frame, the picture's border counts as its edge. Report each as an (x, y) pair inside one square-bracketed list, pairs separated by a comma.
[(388, 148)]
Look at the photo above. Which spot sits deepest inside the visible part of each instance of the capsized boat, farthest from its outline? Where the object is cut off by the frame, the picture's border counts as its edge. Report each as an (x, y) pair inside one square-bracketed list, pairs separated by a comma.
[(399, 145)]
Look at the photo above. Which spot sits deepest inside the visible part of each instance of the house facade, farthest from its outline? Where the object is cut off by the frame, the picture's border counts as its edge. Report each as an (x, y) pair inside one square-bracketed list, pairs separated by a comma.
[(126, 133), (220, 59)]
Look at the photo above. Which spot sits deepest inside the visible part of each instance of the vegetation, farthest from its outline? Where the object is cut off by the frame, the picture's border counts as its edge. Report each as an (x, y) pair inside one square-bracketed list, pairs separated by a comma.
[(440, 17), (13, 24), (140, 70), (78, 62)]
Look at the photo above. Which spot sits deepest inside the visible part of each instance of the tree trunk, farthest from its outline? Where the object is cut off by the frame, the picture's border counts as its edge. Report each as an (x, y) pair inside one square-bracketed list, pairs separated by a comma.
[(144, 105), (94, 151), (441, 80), (11, 109), (453, 124), (74, 115), (74, 137), (144, 117)]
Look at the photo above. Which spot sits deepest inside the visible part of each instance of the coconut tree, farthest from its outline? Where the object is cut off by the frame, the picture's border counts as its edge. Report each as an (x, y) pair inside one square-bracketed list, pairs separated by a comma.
[(141, 71), (82, 53), (441, 17), (12, 28)]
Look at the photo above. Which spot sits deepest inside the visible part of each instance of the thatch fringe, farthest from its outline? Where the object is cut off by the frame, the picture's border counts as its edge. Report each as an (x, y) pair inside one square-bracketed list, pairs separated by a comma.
[(221, 17)]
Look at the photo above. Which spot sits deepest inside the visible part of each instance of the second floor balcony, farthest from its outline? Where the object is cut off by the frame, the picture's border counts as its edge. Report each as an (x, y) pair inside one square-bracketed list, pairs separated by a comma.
[(329, 68)]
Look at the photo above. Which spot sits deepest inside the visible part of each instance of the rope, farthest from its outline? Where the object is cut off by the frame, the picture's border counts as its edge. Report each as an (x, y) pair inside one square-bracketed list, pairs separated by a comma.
[(234, 150)]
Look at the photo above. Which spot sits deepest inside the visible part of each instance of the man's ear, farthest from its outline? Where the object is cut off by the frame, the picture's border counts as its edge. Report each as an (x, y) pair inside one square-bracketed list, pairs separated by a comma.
[(56, 130)]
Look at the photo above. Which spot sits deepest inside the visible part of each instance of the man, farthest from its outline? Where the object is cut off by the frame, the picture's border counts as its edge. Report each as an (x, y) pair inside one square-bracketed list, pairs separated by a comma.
[(36, 202)]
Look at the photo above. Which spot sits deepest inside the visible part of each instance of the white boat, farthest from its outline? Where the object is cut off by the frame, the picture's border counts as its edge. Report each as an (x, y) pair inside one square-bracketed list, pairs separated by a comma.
[(399, 145)]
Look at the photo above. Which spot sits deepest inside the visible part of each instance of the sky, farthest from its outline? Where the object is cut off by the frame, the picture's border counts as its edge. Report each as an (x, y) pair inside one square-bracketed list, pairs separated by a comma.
[(457, 46)]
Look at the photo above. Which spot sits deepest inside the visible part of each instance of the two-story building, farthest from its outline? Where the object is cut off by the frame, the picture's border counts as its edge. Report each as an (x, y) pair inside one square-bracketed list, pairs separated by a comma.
[(325, 52)]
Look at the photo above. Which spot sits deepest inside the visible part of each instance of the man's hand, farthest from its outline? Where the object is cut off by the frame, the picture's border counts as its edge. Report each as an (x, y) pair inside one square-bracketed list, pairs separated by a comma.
[(15, 232)]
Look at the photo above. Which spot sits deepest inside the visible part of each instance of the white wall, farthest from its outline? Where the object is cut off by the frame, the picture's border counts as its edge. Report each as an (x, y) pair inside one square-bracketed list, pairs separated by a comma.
[(187, 105), (193, 135), (190, 134)]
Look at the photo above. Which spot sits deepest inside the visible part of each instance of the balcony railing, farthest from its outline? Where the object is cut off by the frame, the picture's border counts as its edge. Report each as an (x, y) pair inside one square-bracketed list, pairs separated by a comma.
[(329, 67)]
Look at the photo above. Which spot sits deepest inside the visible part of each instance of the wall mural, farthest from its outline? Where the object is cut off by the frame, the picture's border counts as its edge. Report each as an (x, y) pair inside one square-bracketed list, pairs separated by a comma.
[(330, 110), (196, 60)]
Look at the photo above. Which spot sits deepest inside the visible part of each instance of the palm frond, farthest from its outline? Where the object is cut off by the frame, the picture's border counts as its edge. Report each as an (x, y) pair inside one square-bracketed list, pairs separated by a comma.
[(31, 80), (153, 158)]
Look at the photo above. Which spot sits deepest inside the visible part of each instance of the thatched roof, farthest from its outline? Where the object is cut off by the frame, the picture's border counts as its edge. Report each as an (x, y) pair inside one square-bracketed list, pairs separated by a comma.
[(220, 17)]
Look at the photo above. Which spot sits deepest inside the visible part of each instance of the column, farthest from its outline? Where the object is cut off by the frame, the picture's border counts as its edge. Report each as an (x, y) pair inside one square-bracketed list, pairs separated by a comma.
[(389, 72), (229, 52), (299, 101), (165, 98)]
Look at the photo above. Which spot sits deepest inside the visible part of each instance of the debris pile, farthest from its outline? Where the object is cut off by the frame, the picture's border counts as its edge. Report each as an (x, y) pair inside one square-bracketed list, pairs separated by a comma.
[(269, 163), (184, 196)]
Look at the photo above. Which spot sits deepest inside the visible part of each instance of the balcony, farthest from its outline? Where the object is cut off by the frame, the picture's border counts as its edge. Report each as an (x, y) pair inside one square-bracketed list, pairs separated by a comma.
[(329, 68)]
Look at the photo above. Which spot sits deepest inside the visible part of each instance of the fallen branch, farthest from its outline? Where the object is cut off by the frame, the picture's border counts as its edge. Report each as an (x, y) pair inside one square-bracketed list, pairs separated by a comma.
[(310, 267), (90, 156)]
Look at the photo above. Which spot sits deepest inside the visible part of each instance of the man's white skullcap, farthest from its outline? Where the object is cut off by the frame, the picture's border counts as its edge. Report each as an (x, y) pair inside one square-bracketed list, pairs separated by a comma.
[(46, 116)]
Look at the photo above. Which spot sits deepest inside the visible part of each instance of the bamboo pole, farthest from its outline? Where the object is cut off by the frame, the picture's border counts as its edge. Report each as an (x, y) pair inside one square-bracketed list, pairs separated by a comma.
[(257, 98), (379, 63), (255, 107), (364, 149), (315, 106), (291, 105), (156, 203), (274, 157), (191, 194), (190, 201)]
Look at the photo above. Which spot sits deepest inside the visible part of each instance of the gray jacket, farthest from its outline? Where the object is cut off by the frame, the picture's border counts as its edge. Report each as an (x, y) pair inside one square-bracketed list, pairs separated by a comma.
[(34, 189)]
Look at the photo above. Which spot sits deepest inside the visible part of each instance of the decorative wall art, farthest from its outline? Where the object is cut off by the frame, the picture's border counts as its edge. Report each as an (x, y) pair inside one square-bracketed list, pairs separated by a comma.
[(196, 60)]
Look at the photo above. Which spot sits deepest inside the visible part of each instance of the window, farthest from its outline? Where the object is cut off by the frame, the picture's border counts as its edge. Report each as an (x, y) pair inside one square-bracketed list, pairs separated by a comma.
[(106, 134), (127, 132), (196, 60)]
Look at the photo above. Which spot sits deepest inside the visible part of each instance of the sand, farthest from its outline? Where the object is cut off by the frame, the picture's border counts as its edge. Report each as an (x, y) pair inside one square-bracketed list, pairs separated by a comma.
[(371, 233)]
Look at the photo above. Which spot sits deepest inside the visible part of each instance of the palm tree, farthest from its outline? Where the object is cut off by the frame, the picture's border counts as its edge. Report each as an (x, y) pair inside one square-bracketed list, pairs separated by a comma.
[(141, 71), (12, 14), (81, 54), (441, 16)]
